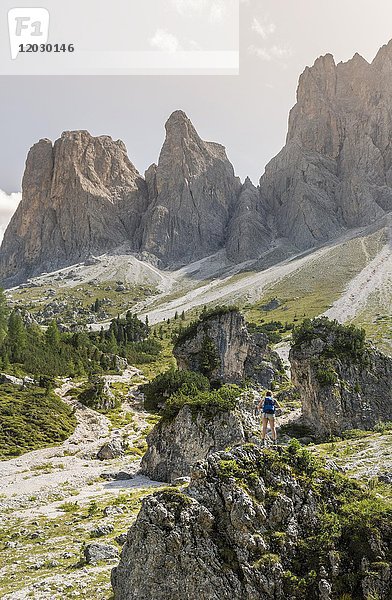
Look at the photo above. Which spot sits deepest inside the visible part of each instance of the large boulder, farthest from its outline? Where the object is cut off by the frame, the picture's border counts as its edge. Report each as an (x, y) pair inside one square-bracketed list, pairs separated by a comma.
[(111, 450), (256, 525), (95, 553), (221, 347), (343, 382), (175, 445)]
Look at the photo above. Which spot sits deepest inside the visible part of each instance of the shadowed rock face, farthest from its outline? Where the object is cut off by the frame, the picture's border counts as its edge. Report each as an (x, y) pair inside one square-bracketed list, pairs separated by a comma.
[(175, 446), (248, 235), (233, 353), (339, 390)]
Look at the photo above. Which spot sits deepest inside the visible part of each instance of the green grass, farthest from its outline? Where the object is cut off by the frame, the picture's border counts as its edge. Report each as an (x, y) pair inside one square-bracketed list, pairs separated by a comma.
[(164, 361), (377, 324), (59, 549), (32, 418), (304, 294), (83, 295)]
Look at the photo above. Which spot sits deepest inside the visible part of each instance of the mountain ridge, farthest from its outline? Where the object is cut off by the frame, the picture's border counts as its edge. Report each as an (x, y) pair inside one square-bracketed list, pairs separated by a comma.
[(82, 195)]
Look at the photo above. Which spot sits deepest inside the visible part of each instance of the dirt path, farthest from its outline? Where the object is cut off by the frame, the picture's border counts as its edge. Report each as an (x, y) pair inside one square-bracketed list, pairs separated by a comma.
[(38, 482)]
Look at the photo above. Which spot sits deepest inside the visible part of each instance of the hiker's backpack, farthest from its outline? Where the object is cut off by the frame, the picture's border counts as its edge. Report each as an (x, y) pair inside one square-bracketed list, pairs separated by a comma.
[(269, 405)]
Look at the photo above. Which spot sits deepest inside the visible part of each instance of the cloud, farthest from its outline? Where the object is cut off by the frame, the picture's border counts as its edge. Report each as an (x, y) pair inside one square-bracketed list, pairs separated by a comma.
[(8, 205), (263, 29), (217, 11), (270, 53), (186, 7), (164, 41)]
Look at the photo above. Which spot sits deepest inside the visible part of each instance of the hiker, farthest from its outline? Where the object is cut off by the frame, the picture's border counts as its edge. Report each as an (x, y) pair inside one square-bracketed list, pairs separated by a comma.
[(268, 406)]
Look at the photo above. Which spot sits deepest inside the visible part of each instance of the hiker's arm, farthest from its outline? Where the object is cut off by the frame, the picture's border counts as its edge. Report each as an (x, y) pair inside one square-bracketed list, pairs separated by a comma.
[(277, 404)]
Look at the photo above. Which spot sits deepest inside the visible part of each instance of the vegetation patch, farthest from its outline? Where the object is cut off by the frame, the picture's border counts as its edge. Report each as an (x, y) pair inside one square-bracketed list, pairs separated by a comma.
[(32, 418), (351, 519), (158, 391), (338, 341), (209, 403)]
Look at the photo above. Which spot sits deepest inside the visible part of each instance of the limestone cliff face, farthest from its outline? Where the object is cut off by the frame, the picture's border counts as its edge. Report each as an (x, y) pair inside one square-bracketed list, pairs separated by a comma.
[(335, 170), (193, 191), (340, 388), (249, 235), (221, 347), (252, 526), (81, 195), (175, 446)]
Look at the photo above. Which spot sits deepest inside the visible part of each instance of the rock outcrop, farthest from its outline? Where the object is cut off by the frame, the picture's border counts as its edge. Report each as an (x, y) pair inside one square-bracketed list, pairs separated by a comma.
[(256, 525), (175, 445), (343, 383), (220, 347)]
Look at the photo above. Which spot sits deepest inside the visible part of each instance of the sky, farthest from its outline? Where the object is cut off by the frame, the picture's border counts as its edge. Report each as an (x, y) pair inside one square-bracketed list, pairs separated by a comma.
[(247, 113)]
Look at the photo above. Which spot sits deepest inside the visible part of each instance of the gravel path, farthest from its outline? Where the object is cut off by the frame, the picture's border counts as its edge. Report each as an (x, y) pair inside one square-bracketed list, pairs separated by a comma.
[(38, 482)]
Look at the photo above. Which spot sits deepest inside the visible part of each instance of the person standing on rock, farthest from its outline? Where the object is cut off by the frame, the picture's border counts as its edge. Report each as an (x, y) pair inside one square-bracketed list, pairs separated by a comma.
[(268, 405)]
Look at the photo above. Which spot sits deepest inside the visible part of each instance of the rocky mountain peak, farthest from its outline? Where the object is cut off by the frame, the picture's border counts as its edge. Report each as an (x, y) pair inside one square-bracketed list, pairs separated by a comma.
[(66, 213), (179, 124), (383, 58), (194, 191), (334, 173)]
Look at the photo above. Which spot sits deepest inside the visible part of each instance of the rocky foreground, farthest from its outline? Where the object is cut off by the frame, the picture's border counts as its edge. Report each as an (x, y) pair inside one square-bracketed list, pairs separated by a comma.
[(258, 524)]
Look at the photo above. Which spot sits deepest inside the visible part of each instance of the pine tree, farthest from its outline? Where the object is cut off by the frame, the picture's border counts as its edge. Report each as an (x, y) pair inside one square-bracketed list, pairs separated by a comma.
[(52, 336), (16, 340)]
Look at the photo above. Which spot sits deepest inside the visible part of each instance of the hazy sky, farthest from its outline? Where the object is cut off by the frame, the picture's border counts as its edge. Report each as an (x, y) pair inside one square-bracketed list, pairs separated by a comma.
[(247, 113)]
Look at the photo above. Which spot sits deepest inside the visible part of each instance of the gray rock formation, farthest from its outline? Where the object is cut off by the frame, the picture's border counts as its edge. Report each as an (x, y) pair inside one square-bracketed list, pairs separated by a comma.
[(81, 196), (221, 348), (335, 171), (95, 553), (110, 450), (174, 446), (342, 384), (250, 527), (249, 235), (99, 395), (192, 191)]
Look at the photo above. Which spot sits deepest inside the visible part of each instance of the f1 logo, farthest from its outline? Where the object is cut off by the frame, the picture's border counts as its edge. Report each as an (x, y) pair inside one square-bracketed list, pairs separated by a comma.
[(27, 26)]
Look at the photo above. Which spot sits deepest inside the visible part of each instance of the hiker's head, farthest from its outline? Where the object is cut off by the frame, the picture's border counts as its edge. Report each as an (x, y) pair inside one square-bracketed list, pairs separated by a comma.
[(269, 394)]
